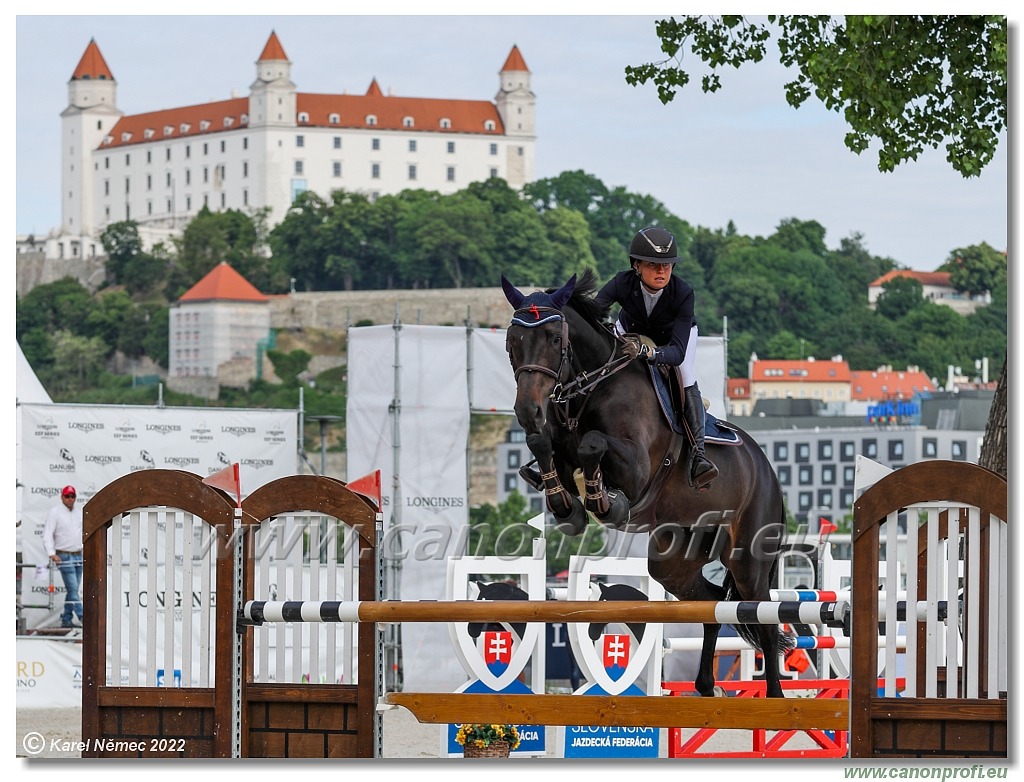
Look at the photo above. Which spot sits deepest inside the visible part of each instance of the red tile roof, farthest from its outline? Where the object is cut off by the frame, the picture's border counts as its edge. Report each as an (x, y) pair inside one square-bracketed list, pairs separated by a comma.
[(92, 65), (872, 386), (782, 371), (938, 279), (223, 283), (350, 111), (738, 387), (273, 50), (515, 61)]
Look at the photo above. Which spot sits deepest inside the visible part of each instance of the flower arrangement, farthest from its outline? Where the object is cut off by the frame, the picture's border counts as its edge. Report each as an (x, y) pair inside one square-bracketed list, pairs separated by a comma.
[(479, 734)]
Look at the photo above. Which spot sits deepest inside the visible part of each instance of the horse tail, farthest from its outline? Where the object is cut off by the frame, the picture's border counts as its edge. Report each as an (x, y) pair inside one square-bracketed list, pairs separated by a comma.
[(751, 633)]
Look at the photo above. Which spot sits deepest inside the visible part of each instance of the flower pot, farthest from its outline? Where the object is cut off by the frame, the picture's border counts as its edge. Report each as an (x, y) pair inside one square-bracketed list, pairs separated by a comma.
[(496, 749)]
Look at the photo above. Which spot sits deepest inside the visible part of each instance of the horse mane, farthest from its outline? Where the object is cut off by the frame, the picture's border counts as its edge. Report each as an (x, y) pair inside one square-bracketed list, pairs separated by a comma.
[(583, 303)]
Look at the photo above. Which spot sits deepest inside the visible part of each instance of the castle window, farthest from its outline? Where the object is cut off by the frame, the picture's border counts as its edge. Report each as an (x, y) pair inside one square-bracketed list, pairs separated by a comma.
[(303, 116), (489, 125), (168, 130), (204, 124), (149, 133), (494, 149), (451, 147), (336, 168), (412, 145), (371, 119), (300, 141), (375, 171), (412, 171), (445, 123), (229, 121), (185, 127), (245, 119), (451, 173), (337, 142), (375, 144), (334, 119), (126, 137), (407, 122)]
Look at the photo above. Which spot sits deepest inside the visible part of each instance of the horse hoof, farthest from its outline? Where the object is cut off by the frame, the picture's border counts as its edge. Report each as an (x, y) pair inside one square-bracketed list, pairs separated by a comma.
[(720, 692), (575, 522), (617, 516)]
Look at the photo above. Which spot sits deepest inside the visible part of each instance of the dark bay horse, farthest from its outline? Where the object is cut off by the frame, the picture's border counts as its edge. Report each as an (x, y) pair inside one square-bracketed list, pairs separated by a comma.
[(584, 407)]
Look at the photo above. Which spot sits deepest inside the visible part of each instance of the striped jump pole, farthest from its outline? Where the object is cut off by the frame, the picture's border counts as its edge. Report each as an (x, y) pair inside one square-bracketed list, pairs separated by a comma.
[(833, 614), (735, 644)]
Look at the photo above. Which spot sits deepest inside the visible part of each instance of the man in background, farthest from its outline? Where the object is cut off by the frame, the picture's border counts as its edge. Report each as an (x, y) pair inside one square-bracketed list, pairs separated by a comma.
[(62, 536)]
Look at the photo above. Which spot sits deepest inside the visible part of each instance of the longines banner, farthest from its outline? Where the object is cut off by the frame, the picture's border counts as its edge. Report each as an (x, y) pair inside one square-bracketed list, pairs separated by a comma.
[(88, 446), (411, 391)]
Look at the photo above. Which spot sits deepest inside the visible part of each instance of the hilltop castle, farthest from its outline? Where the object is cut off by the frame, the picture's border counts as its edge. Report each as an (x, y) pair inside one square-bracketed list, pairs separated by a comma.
[(161, 168)]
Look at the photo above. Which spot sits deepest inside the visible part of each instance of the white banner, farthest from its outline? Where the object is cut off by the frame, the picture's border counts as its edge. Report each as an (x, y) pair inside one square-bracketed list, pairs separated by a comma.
[(89, 446), (49, 674)]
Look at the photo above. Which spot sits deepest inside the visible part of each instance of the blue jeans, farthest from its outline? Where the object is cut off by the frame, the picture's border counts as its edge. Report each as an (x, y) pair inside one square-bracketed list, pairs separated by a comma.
[(71, 571)]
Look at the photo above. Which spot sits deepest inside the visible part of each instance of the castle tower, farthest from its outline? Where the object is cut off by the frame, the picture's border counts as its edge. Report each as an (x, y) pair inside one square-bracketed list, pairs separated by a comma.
[(516, 106), (90, 115), (272, 95)]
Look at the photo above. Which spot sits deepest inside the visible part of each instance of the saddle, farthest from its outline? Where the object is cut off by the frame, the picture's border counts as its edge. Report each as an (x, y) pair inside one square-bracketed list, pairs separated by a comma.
[(715, 432)]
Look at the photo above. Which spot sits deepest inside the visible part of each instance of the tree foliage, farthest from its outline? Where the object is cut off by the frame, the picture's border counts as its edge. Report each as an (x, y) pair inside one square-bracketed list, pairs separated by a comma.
[(905, 83)]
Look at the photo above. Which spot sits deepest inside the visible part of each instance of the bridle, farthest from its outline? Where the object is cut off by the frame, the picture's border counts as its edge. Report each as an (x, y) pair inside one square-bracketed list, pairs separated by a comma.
[(582, 381)]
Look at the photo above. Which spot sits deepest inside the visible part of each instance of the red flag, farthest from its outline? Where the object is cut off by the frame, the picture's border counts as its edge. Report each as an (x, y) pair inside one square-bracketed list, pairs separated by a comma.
[(826, 527), (368, 486), (228, 480)]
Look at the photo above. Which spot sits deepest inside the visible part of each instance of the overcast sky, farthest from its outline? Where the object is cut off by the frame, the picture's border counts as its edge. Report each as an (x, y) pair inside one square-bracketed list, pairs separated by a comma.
[(742, 155)]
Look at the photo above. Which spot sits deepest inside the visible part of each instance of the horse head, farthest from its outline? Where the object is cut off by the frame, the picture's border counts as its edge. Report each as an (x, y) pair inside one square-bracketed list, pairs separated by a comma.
[(537, 345), (499, 590)]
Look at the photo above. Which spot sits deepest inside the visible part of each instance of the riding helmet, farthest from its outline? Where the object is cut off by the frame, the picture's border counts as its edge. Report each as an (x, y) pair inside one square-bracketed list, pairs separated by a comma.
[(654, 244)]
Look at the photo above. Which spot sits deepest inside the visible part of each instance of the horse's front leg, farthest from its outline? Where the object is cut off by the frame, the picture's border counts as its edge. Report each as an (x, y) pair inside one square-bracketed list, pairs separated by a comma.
[(570, 516), (609, 507)]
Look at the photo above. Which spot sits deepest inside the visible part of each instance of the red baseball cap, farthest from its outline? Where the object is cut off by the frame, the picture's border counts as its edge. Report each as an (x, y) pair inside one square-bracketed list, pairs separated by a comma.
[(68, 491)]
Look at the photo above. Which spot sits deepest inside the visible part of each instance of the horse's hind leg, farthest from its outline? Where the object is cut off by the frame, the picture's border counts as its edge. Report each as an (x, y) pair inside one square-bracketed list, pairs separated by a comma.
[(705, 681), (770, 636)]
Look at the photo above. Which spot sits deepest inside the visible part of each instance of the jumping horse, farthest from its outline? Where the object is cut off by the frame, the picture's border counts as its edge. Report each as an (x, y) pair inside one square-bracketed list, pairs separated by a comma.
[(587, 408)]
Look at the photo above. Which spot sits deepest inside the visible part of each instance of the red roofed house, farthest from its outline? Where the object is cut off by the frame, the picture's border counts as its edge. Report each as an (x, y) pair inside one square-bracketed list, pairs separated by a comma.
[(159, 168), (827, 381), (885, 384), (215, 329), (738, 392), (936, 288)]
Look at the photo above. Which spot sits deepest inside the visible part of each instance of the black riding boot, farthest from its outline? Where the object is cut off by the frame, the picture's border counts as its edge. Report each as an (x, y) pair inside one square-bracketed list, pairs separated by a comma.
[(702, 470)]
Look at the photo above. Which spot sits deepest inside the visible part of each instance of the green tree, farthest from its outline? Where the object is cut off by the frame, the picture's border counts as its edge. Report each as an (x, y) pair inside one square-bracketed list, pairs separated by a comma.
[(902, 82), (122, 244), (976, 269), (899, 296), (288, 366), (77, 361), (502, 530)]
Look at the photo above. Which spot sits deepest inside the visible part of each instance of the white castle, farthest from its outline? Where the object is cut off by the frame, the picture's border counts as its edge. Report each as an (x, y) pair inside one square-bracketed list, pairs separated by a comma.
[(160, 168)]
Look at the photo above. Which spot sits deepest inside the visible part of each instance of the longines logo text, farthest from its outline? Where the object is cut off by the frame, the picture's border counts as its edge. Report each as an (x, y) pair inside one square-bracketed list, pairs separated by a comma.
[(238, 431), (83, 426), (104, 460), (163, 428), (46, 491), (181, 461), (259, 464), (435, 502)]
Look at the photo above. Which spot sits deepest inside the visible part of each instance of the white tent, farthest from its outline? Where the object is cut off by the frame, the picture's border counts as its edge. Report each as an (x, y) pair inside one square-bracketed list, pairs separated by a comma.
[(29, 390)]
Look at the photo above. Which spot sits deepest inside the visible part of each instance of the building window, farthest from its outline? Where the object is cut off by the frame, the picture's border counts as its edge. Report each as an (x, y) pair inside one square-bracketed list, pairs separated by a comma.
[(407, 122), (451, 147), (489, 124), (930, 446), (869, 446), (958, 450), (188, 203), (511, 482), (845, 498), (245, 169), (804, 500), (825, 450), (895, 450), (828, 474), (334, 119), (825, 498), (298, 167), (245, 198), (223, 146), (371, 119), (303, 116), (206, 148), (149, 181), (336, 168), (849, 474), (188, 176), (223, 200), (847, 451), (494, 173), (337, 142), (513, 460), (375, 144), (785, 476), (375, 171), (803, 452), (445, 123), (806, 475), (451, 173), (412, 145), (781, 452), (494, 149), (106, 187), (127, 160), (149, 155), (245, 143), (412, 172), (127, 185), (535, 505), (206, 174)]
